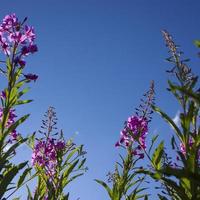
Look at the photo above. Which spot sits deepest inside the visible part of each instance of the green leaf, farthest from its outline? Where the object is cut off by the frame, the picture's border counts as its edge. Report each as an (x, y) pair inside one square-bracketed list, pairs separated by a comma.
[(197, 43), (153, 140), (29, 193), (65, 182), (82, 163), (23, 176), (24, 91), (9, 152), (106, 187), (20, 102), (169, 121), (70, 169), (157, 156), (9, 176), (16, 124)]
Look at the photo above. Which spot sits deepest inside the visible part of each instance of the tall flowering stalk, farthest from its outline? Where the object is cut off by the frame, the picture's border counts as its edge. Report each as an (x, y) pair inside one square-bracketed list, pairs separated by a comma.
[(126, 184), (57, 161), (180, 178), (17, 41)]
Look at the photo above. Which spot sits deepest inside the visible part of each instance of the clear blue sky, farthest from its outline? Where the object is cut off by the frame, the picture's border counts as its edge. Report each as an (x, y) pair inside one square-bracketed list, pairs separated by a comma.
[(96, 58)]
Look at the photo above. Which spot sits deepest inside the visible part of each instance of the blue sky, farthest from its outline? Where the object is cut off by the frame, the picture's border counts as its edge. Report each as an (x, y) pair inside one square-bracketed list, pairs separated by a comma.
[(96, 58)]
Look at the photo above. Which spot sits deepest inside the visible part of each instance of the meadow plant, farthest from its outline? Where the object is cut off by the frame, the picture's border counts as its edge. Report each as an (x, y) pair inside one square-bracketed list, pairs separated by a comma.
[(56, 162), (17, 41), (125, 182), (179, 174)]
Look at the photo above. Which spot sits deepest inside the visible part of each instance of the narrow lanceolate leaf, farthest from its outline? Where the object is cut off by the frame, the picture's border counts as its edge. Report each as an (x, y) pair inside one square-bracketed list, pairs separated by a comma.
[(70, 169), (23, 176), (16, 124), (20, 102), (106, 187), (24, 91), (29, 193), (152, 142), (65, 181), (82, 163), (70, 156), (9, 152), (169, 121), (157, 156), (9, 176)]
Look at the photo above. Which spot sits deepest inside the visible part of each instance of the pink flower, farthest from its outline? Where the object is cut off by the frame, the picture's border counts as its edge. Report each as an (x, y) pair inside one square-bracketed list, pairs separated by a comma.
[(45, 154), (29, 32), (16, 38), (9, 21), (135, 130)]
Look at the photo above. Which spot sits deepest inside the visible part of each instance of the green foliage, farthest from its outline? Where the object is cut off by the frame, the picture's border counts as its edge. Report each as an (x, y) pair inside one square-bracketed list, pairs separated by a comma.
[(181, 181), (126, 184)]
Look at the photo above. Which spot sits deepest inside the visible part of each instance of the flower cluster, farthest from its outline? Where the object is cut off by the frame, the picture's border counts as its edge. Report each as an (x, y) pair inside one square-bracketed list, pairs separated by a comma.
[(136, 127), (45, 154), (135, 130), (17, 42), (13, 33), (10, 121)]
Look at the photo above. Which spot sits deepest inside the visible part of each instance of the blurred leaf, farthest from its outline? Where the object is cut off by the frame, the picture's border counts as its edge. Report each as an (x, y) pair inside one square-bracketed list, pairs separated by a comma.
[(106, 187), (20, 102), (197, 43), (9, 176), (23, 176), (157, 156), (169, 121)]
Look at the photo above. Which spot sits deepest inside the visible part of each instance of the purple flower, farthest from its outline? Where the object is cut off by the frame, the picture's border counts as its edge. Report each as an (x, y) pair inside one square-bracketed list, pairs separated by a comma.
[(30, 34), (45, 154), (31, 77), (33, 48), (9, 21), (3, 95), (135, 130), (16, 38)]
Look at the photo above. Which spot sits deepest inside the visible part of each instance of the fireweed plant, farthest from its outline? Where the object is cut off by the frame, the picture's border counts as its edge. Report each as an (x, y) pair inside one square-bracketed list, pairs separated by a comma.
[(180, 175), (17, 41), (57, 161), (125, 182)]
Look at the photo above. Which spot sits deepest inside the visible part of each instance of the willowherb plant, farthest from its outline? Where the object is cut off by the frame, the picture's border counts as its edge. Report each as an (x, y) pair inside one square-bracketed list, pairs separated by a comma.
[(16, 42), (126, 184), (179, 179), (57, 161)]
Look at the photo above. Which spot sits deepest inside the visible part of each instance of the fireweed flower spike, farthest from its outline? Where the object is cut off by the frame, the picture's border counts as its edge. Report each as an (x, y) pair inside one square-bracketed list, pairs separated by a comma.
[(124, 182), (14, 36), (186, 79), (16, 39), (136, 127), (45, 150), (58, 161)]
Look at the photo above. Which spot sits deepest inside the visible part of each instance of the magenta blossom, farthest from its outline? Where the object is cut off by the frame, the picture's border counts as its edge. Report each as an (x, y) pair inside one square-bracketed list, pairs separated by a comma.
[(17, 38), (45, 154), (135, 130)]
